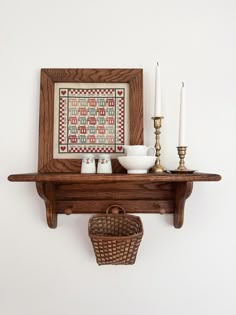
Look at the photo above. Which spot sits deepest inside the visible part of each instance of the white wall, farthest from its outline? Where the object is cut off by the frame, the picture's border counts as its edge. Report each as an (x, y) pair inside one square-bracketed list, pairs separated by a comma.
[(182, 272)]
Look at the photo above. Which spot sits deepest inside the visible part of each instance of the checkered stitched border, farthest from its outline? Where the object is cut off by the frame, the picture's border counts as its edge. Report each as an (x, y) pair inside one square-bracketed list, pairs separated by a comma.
[(62, 125), (90, 150)]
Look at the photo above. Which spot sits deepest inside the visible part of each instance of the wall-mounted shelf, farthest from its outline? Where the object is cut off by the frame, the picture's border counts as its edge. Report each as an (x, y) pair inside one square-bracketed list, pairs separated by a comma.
[(59, 181), (67, 193)]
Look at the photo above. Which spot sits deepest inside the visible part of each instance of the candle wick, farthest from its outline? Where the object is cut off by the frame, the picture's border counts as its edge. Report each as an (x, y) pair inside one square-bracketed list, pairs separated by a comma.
[(157, 63), (182, 84)]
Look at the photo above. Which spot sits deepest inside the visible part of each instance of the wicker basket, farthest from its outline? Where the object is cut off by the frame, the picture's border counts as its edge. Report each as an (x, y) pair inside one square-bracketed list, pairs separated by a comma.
[(115, 236)]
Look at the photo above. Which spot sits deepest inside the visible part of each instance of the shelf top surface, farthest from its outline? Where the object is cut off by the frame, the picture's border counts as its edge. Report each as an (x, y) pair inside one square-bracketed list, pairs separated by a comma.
[(99, 178)]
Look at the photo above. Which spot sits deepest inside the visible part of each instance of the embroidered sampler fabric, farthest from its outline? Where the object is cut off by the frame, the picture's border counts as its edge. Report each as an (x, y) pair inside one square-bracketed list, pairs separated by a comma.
[(90, 119)]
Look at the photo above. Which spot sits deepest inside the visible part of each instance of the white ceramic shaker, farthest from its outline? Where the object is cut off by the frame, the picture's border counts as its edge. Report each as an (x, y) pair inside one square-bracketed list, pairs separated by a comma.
[(88, 164), (104, 164)]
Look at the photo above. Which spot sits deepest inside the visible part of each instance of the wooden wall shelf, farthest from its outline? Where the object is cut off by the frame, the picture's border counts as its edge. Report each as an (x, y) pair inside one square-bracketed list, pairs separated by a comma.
[(66, 191), (69, 193)]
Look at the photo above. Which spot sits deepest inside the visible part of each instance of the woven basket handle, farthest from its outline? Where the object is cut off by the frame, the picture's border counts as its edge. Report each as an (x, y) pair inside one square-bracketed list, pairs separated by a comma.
[(116, 209)]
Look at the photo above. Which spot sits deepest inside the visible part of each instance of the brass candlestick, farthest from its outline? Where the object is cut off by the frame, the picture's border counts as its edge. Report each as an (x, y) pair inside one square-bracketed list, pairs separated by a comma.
[(182, 168), (182, 153), (157, 168)]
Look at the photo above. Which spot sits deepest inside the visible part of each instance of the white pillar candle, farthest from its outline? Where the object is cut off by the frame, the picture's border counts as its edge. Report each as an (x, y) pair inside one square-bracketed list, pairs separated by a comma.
[(157, 103), (182, 118)]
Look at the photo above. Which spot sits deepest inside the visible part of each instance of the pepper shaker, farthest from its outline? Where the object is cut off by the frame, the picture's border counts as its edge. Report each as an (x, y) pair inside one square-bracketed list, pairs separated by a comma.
[(104, 164), (88, 164)]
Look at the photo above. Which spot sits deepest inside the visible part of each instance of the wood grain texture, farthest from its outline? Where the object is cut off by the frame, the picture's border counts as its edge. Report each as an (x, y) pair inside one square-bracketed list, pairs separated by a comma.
[(92, 75), (111, 178), (45, 151), (110, 191), (134, 77)]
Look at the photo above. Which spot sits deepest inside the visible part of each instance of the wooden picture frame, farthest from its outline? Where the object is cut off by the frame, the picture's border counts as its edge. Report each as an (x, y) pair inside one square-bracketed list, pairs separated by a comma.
[(47, 163)]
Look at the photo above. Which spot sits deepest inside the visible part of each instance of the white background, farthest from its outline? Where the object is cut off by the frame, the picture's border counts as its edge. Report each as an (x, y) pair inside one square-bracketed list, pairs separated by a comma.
[(181, 272)]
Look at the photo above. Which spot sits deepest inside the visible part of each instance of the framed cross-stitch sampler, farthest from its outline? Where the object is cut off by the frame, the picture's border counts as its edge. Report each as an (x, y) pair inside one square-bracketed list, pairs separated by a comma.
[(88, 111)]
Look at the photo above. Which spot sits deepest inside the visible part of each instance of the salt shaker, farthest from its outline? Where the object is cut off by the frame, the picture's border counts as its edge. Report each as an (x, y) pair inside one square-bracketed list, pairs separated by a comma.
[(104, 164), (88, 164)]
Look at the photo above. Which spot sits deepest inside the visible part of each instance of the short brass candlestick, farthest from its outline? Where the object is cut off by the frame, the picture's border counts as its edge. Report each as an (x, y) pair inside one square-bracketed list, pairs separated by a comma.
[(157, 168), (182, 168), (182, 153)]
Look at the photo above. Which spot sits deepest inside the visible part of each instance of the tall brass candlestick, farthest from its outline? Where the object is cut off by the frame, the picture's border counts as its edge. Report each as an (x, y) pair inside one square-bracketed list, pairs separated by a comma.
[(157, 168)]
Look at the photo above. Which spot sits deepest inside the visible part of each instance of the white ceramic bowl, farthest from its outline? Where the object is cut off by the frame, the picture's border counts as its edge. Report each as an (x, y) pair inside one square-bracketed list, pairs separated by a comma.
[(137, 164)]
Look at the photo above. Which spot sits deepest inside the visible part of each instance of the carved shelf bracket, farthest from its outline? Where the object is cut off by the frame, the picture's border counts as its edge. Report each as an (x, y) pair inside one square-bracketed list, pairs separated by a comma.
[(183, 191), (47, 192)]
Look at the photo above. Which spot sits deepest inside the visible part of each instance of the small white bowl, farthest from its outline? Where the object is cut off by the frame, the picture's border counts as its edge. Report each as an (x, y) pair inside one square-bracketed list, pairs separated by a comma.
[(137, 164)]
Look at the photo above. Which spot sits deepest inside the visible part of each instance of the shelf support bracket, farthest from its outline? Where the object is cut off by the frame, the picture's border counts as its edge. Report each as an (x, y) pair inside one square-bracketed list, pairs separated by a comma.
[(183, 191), (47, 192)]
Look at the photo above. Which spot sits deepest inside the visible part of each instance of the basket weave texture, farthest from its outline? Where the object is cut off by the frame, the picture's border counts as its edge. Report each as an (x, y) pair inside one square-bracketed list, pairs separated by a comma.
[(115, 237)]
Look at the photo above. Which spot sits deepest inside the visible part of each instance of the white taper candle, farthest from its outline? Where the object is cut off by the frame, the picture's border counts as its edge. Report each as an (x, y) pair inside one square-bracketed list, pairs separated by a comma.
[(157, 103), (182, 118)]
